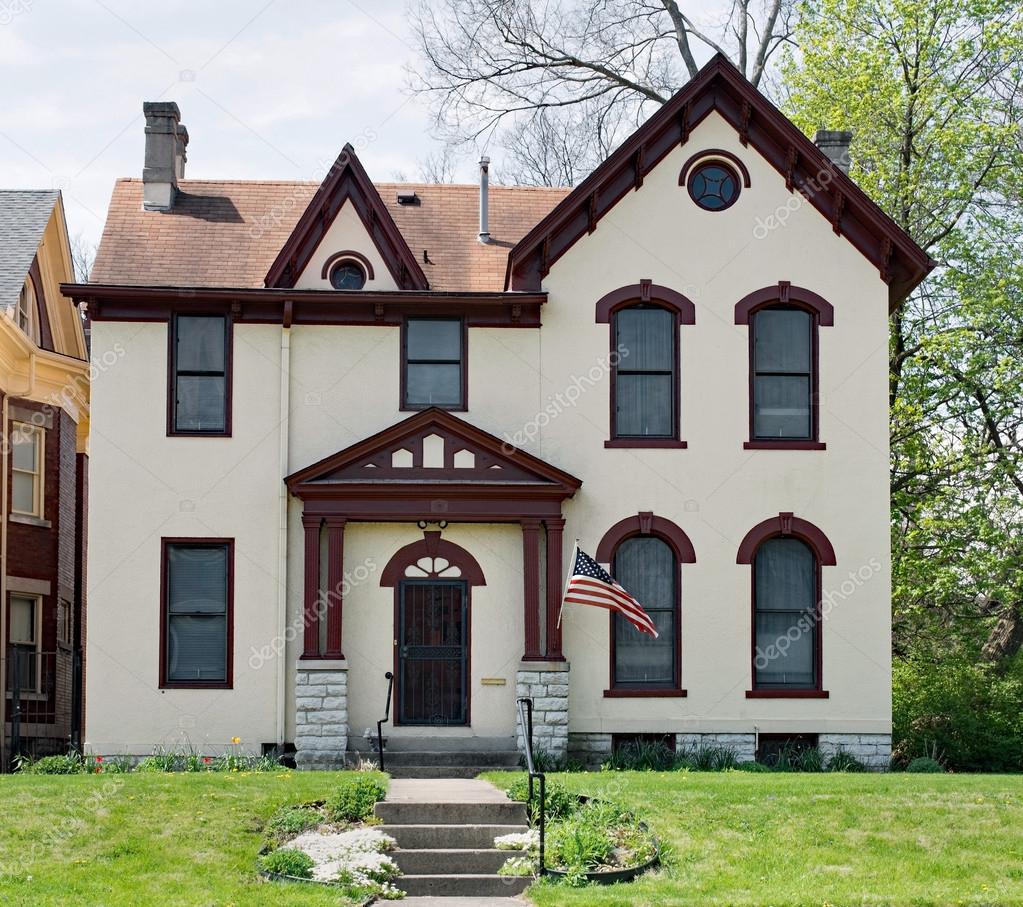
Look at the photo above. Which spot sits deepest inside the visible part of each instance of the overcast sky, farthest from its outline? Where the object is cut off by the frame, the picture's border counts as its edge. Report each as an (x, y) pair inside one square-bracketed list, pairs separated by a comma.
[(268, 90)]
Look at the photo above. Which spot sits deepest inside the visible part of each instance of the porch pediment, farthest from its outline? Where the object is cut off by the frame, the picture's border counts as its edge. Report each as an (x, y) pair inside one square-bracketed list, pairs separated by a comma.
[(434, 456)]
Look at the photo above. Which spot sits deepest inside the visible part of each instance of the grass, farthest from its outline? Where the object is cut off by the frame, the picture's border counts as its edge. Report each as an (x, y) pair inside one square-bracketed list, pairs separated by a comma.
[(741, 839), (150, 839)]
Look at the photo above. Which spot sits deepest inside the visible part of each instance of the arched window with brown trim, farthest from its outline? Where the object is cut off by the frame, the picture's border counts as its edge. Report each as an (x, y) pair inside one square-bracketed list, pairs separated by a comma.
[(784, 365), (645, 554), (786, 555), (645, 363)]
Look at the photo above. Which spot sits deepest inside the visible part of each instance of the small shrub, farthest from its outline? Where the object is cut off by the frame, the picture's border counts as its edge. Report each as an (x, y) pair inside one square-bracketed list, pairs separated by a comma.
[(753, 767), (162, 761), (353, 798), (292, 820), (641, 756), (287, 862), (710, 758), (925, 765), (558, 801), (69, 764), (545, 761), (842, 761)]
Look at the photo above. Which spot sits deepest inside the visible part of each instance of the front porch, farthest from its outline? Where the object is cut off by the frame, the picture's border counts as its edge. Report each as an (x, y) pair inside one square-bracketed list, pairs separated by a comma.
[(432, 551)]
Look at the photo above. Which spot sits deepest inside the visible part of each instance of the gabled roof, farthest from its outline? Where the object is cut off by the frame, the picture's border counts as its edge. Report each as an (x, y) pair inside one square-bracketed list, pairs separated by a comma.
[(23, 219), (463, 455), (347, 181), (720, 87)]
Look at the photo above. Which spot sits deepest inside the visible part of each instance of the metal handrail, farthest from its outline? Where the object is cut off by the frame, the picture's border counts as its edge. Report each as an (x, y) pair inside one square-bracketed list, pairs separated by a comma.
[(387, 716), (525, 705)]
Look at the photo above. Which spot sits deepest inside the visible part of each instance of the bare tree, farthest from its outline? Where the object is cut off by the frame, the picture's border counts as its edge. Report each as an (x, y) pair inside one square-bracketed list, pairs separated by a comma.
[(83, 254), (577, 73)]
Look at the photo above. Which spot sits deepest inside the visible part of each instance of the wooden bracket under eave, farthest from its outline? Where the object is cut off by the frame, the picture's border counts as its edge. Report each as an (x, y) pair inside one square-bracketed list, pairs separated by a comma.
[(838, 208), (747, 112)]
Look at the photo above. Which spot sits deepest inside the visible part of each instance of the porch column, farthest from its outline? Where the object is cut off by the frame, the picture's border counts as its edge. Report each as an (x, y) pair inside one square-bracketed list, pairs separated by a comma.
[(335, 584), (555, 588), (311, 617), (531, 587)]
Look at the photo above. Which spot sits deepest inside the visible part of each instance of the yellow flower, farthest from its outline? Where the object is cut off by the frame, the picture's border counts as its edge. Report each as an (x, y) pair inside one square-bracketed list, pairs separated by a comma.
[(236, 739)]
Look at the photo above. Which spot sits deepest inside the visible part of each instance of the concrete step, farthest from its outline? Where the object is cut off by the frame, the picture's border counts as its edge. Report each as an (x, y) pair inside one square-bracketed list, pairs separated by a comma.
[(406, 813), (435, 744), (497, 758), (448, 837), (468, 885), (451, 861), (436, 771)]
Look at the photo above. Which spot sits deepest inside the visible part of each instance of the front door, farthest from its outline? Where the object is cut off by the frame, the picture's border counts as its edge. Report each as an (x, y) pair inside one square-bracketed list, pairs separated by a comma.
[(433, 652)]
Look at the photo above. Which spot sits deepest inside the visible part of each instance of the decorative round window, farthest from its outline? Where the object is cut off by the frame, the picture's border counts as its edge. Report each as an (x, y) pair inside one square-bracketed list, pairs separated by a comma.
[(347, 275), (713, 185)]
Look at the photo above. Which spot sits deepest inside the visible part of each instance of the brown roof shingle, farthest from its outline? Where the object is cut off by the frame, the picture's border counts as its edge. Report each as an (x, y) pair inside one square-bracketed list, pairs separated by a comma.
[(226, 233)]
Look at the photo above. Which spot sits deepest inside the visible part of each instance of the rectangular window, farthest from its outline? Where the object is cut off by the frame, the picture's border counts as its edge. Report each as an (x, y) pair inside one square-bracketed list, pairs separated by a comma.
[(200, 377), (785, 578), (783, 374), (64, 620), (28, 442), (646, 340), (433, 367), (23, 630), (197, 613)]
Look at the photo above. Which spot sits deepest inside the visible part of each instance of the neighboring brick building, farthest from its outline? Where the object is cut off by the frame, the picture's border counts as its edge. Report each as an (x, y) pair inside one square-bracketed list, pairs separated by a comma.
[(44, 387)]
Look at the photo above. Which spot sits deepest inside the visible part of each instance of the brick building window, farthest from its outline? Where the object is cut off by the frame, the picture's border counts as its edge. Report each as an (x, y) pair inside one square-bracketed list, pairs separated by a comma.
[(27, 447), (24, 636)]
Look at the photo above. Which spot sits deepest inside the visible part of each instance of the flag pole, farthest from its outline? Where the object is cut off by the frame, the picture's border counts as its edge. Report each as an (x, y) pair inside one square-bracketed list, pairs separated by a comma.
[(568, 579)]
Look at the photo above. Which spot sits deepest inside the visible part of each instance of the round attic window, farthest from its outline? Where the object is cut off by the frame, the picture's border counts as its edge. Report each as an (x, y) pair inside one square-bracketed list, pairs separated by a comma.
[(347, 275), (713, 185)]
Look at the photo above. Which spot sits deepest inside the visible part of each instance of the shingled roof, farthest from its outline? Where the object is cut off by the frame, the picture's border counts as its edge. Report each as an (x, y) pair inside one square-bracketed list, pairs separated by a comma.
[(24, 215), (227, 233)]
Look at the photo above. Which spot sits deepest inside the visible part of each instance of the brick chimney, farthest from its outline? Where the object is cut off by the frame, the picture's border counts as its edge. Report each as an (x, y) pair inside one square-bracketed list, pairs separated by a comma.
[(166, 140), (835, 144)]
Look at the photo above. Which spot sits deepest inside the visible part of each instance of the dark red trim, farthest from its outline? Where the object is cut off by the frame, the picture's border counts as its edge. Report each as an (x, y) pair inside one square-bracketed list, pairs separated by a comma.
[(228, 683), (555, 579), (338, 257), (172, 333), (645, 523), (635, 442), (785, 525), (432, 545), (248, 305), (335, 585), (710, 154), (634, 693), (463, 406), (311, 593), (647, 293), (785, 293), (784, 445), (720, 87), (531, 589), (346, 181), (788, 694)]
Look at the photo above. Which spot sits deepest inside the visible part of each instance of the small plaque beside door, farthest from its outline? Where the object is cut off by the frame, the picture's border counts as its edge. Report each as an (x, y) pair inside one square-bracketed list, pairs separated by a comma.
[(493, 681)]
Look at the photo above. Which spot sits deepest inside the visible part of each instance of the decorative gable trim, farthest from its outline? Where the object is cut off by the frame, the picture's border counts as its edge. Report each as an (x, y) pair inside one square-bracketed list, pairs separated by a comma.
[(720, 87), (346, 181)]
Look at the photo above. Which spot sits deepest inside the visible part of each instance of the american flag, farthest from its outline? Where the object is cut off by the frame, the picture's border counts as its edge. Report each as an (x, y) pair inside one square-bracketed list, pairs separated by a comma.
[(591, 584)]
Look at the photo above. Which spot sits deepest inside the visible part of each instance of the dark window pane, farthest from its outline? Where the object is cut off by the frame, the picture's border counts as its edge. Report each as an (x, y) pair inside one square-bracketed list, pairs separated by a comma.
[(644, 406), (201, 345), (713, 186), (646, 339), (785, 649), (348, 276), (786, 576), (641, 659), (646, 568), (197, 579), (434, 385), (434, 339), (197, 648), (201, 403), (781, 407), (781, 340)]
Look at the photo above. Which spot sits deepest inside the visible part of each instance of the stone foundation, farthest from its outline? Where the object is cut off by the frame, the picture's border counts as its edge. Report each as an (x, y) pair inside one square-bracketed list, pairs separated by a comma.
[(546, 683), (873, 750), (321, 714), (743, 745), (589, 750)]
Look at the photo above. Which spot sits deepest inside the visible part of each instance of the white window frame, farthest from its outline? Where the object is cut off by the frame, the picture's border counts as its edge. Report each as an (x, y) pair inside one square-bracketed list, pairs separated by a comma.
[(28, 304), (38, 474), (37, 629)]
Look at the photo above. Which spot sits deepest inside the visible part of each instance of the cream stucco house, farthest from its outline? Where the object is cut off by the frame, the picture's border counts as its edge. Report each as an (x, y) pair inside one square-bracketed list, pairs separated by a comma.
[(355, 428)]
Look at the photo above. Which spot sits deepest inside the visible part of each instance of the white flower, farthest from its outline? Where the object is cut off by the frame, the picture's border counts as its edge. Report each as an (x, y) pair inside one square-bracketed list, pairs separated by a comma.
[(518, 841)]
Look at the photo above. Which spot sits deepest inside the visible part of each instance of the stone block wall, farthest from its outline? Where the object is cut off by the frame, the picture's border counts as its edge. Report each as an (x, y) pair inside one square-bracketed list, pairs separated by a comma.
[(743, 745), (321, 716), (873, 750), (546, 683)]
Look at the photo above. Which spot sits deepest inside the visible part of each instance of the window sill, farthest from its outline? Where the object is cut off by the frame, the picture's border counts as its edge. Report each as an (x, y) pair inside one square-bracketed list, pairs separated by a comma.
[(171, 685), (198, 434), (784, 445), (645, 694), (647, 442), (27, 519), (407, 408), (29, 696), (787, 694)]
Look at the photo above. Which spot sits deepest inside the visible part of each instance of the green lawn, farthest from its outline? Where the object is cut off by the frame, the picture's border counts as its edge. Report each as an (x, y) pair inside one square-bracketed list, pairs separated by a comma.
[(736, 839), (816, 839)]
